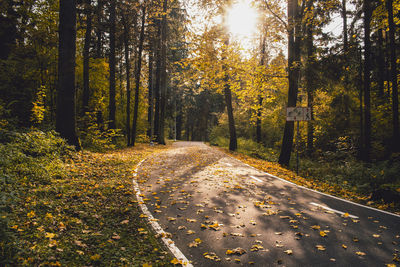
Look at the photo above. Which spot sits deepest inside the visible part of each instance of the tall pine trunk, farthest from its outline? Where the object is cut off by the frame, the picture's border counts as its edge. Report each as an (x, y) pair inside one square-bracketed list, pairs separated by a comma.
[(293, 73), (309, 76), (163, 75), (150, 111), (393, 67), (137, 77), (111, 103), (157, 83), (128, 78), (65, 116), (86, 58), (367, 79)]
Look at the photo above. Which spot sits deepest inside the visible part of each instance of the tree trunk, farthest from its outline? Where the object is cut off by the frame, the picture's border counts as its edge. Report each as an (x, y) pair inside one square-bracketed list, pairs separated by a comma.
[(361, 110), (381, 64), (86, 58), (157, 83), (309, 76), (99, 32), (346, 97), (258, 121), (128, 80), (150, 110), (137, 77), (163, 76), (367, 79), (111, 106), (260, 98), (65, 117), (293, 73), (229, 108), (393, 64)]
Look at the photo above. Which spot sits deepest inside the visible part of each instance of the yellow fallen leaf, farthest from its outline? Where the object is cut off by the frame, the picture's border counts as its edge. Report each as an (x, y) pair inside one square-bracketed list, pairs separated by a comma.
[(344, 246), (322, 233), (316, 227), (95, 257), (289, 252), (175, 261), (50, 235), (375, 235), (190, 232), (320, 247), (359, 253)]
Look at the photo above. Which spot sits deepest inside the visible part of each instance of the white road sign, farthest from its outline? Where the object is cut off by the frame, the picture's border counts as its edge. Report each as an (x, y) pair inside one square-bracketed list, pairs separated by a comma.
[(298, 114)]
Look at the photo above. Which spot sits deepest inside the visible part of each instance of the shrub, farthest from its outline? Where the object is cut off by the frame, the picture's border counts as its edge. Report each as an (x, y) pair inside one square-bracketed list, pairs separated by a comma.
[(27, 160)]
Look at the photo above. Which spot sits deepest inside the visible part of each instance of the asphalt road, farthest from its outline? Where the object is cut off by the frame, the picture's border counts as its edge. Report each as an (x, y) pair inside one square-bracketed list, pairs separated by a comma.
[(221, 212)]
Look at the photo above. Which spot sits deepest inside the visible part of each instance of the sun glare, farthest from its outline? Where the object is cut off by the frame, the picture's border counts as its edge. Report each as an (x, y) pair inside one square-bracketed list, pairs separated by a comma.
[(242, 20)]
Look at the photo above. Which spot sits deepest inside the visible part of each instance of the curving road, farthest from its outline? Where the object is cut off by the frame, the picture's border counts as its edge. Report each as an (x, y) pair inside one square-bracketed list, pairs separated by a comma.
[(222, 212)]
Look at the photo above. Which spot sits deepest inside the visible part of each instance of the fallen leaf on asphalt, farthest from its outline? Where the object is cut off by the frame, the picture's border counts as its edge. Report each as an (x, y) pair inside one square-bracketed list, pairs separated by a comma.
[(171, 219), (211, 256), (375, 235), (190, 232), (195, 243), (256, 247), (322, 233), (316, 227), (289, 252), (320, 247), (344, 246), (182, 227), (359, 253), (236, 251)]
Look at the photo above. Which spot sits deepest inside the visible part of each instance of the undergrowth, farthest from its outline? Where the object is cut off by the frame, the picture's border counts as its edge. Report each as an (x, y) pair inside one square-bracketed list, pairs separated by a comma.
[(375, 184), (63, 208)]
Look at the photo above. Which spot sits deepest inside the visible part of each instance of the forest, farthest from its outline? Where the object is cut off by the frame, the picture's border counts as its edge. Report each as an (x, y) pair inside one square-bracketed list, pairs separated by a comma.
[(97, 76)]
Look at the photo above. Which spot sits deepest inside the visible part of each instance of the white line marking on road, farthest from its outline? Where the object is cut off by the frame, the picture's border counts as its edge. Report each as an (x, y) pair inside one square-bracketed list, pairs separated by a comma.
[(315, 191), (333, 210), (255, 178), (156, 226)]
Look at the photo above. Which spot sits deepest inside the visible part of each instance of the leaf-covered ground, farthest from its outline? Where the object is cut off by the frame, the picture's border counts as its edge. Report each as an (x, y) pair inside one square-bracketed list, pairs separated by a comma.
[(89, 217), (316, 184)]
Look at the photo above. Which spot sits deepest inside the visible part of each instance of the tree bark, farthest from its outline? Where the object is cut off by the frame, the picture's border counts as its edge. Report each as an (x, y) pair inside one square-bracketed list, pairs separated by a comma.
[(228, 103), (157, 83), (150, 112), (367, 79), (65, 117), (393, 67), (260, 98), (128, 80), (99, 32), (86, 58), (309, 76), (293, 73), (381, 64), (111, 105), (163, 76), (137, 77)]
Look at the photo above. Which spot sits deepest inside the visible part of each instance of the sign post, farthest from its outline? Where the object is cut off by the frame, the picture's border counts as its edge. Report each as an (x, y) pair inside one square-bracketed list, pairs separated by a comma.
[(298, 114)]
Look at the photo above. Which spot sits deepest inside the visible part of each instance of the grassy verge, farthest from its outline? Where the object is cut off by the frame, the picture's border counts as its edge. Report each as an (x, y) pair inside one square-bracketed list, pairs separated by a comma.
[(350, 180), (80, 210)]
